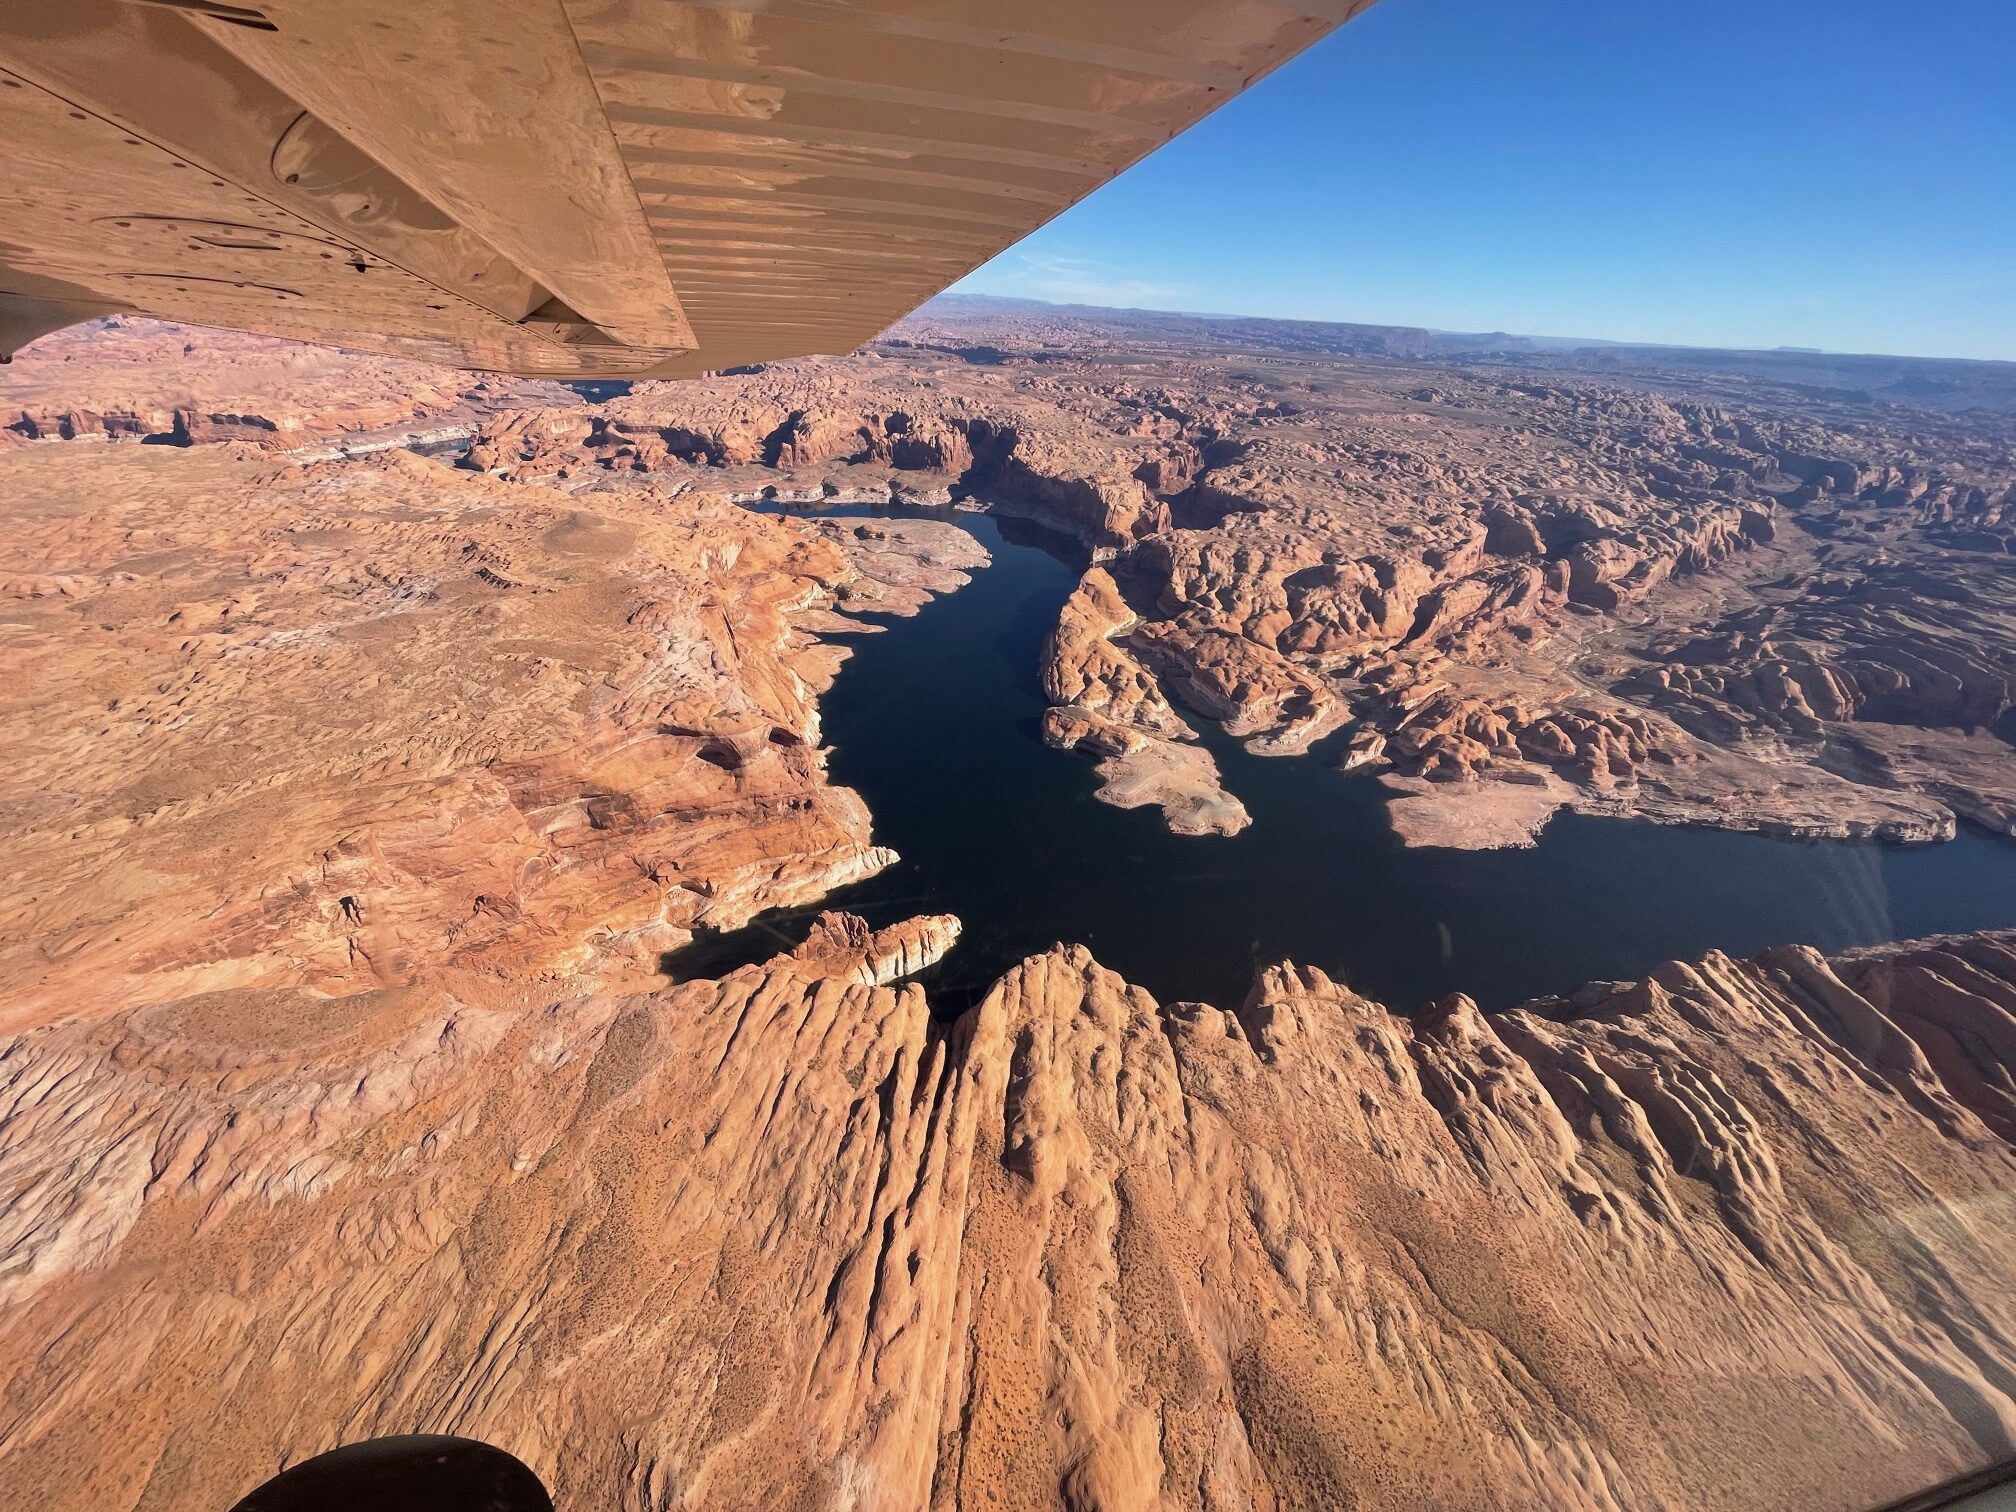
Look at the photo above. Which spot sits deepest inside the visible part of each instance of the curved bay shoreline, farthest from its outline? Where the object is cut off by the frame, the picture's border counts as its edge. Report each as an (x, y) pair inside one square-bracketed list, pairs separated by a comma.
[(354, 803)]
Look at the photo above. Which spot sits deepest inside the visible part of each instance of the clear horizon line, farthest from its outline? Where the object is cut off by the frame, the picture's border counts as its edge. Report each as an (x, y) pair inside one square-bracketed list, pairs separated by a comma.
[(1386, 325)]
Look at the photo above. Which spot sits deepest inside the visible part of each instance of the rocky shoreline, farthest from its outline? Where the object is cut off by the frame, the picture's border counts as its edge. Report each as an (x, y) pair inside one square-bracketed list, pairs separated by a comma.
[(1550, 584), (561, 739), (352, 804), (1503, 585)]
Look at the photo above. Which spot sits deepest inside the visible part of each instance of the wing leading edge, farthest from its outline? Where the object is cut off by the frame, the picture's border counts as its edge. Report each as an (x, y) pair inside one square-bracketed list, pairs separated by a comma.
[(576, 188)]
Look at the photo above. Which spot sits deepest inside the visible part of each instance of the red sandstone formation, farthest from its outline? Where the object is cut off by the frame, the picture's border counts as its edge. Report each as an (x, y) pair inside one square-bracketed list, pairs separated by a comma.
[(842, 947), (1547, 563), (1106, 703), (378, 717), (1728, 1237), (349, 804), (129, 379)]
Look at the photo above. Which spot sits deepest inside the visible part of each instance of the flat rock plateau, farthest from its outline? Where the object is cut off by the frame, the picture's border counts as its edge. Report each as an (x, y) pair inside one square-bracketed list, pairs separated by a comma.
[(351, 798)]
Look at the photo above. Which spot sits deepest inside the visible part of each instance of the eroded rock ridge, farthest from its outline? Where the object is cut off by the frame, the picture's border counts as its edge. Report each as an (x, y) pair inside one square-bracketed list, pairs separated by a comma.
[(352, 803), (1730, 604), (1733, 1233)]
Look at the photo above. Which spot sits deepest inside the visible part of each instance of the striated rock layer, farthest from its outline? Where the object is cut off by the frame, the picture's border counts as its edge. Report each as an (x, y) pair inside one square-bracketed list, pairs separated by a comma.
[(1106, 703), (349, 805), (844, 947), (1710, 599), (344, 725), (126, 379), (1734, 1236)]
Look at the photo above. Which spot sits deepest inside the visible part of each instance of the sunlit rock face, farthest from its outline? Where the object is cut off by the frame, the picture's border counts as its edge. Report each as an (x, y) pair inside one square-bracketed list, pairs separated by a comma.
[(1733, 1233), (843, 947), (1705, 598), (342, 725), (1108, 705), (350, 805)]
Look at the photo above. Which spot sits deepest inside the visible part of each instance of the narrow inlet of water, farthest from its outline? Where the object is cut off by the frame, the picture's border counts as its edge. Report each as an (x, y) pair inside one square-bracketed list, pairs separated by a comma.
[(934, 721)]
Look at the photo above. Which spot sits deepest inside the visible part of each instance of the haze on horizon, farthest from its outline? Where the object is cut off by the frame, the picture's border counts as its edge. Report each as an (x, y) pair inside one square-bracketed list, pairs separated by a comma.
[(1803, 173)]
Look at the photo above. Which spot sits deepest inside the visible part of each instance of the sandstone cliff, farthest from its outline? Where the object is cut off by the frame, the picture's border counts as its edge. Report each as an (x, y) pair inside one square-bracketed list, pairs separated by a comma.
[(350, 805), (333, 725), (1526, 590), (1106, 703), (1732, 1236)]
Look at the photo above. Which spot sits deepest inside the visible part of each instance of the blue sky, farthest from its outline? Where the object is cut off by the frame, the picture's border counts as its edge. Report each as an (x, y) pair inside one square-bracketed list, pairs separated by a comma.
[(1830, 173)]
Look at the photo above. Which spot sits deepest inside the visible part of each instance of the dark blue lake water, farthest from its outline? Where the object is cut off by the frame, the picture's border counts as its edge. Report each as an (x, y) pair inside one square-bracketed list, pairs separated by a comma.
[(934, 721)]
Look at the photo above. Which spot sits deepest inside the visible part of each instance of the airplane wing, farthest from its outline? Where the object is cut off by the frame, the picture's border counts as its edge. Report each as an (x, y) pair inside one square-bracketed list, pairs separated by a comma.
[(576, 188)]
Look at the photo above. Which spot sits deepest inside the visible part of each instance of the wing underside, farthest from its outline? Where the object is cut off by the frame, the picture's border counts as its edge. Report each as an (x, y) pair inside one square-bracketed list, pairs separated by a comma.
[(646, 188)]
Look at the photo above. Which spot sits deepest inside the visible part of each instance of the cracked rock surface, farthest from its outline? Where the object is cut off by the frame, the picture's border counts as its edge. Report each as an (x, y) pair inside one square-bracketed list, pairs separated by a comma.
[(1733, 1235), (350, 805)]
